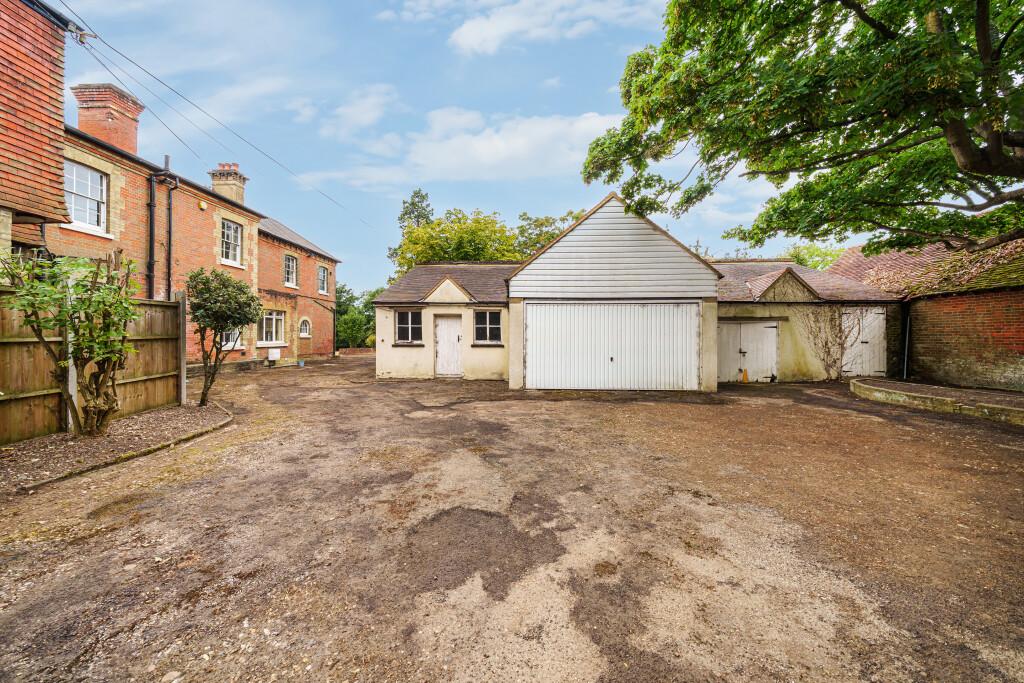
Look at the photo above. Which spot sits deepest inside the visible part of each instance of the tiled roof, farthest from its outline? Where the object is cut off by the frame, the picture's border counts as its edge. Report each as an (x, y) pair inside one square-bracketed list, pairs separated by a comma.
[(485, 282), (746, 280), (997, 268), (901, 265), (283, 232)]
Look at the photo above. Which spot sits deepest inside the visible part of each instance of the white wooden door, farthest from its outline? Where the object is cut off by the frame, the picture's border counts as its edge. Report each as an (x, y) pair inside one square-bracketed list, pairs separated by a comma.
[(603, 345), (448, 345), (749, 346), (864, 354)]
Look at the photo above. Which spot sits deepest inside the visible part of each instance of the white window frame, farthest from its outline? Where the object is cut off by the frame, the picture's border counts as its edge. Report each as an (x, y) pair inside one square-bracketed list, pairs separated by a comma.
[(409, 325), (323, 279), (234, 342), (294, 281), (277, 335), (309, 328), (236, 247), (487, 327), (102, 205)]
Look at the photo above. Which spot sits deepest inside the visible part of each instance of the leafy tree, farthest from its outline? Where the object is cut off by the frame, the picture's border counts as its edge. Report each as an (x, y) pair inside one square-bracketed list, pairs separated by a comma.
[(457, 236), (218, 303), (899, 119), (344, 298), (416, 210), (534, 233), (811, 255), (91, 301), (352, 328)]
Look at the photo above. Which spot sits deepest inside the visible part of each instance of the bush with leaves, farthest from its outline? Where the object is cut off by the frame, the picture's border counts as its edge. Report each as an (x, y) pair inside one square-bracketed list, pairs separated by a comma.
[(90, 300), (218, 303)]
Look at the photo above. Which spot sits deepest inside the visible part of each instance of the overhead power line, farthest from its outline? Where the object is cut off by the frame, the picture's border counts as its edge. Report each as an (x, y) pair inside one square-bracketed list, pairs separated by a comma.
[(225, 126)]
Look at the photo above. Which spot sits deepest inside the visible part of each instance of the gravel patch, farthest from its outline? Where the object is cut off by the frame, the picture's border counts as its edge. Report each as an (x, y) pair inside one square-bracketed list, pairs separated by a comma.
[(45, 457)]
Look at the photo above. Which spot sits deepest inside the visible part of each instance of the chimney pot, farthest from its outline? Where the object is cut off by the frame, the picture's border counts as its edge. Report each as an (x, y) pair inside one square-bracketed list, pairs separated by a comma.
[(107, 112), (229, 182)]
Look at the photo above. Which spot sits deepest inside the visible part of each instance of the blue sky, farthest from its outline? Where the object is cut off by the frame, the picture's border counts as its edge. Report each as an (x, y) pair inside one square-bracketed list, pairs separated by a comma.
[(485, 104)]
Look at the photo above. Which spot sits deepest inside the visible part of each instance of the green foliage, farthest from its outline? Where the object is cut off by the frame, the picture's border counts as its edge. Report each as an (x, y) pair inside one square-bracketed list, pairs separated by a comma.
[(811, 255), (356, 323), (218, 303), (416, 210), (457, 236), (899, 120), (352, 328), (534, 233), (91, 302), (344, 298), (476, 236)]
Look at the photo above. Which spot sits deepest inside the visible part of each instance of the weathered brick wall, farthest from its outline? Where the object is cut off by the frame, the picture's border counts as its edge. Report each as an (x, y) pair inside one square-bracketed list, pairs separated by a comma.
[(969, 339), (31, 112), (297, 303)]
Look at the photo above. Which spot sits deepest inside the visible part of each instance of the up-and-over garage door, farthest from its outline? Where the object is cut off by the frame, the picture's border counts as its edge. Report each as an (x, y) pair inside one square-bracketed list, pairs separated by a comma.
[(597, 345)]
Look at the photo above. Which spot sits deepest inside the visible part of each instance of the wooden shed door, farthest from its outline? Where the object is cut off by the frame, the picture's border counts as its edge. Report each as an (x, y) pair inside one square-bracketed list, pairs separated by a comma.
[(749, 346), (864, 355), (447, 345)]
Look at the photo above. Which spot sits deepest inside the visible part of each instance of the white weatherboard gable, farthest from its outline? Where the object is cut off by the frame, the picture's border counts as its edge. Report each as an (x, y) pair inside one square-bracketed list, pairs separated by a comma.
[(612, 254), (447, 292)]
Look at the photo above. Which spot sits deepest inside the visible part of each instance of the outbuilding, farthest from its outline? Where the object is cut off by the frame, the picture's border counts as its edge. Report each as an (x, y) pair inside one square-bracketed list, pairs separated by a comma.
[(780, 321), (614, 302)]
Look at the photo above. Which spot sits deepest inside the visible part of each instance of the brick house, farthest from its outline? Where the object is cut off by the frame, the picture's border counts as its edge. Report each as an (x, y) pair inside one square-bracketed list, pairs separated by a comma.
[(963, 313), (31, 118), (170, 225)]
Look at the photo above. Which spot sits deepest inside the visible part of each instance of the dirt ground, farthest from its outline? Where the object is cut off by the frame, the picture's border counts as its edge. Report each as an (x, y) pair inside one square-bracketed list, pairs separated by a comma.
[(346, 529)]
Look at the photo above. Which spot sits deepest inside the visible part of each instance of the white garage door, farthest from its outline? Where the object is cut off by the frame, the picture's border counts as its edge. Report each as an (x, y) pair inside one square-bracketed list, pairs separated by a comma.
[(748, 352), (612, 345)]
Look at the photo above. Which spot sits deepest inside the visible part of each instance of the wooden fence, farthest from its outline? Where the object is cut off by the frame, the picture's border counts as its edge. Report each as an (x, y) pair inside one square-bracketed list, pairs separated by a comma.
[(154, 376)]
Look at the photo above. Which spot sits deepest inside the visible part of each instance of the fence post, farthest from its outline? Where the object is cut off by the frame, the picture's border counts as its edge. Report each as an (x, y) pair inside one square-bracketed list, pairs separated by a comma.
[(182, 343), (72, 379)]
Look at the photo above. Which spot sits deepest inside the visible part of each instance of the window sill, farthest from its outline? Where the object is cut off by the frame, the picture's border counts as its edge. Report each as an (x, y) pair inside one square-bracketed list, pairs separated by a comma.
[(322, 291), (238, 347), (305, 336), (291, 286), (409, 344), (493, 345), (271, 345), (88, 230), (233, 264)]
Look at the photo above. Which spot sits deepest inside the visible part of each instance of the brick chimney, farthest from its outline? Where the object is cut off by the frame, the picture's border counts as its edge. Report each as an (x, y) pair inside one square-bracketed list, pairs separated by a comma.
[(110, 114), (229, 182)]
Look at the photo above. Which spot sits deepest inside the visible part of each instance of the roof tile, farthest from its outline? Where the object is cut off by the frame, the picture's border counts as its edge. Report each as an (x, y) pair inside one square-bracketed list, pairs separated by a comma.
[(485, 282)]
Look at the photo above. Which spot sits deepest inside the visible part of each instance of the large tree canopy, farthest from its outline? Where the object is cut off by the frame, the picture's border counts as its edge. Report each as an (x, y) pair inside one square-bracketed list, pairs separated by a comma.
[(899, 118)]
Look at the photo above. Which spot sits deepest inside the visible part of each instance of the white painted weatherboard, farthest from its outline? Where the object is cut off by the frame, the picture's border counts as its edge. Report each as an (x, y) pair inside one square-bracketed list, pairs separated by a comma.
[(613, 255), (612, 345), (864, 355)]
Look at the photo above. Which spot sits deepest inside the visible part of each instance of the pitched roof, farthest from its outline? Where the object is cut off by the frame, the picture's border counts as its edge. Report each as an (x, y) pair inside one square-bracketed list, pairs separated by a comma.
[(962, 271), (748, 279), (485, 282), (281, 231), (886, 271), (609, 197)]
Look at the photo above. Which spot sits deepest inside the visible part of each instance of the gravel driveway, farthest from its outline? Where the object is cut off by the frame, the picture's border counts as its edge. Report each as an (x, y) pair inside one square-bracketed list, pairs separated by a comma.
[(348, 529)]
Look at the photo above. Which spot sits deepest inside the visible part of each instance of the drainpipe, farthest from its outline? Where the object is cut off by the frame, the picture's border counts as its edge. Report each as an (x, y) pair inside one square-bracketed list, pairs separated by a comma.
[(151, 263), (172, 185)]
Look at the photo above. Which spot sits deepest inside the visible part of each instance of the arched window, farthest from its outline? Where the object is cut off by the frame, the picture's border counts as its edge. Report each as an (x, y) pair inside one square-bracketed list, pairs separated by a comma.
[(305, 328)]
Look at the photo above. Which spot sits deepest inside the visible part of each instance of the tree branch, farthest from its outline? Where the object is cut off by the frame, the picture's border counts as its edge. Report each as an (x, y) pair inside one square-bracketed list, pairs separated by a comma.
[(997, 240), (846, 157), (1002, 43), (863, 15), (973, 207)]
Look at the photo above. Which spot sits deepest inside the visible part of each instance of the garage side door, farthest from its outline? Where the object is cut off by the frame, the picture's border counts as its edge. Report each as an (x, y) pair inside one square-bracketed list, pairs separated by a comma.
[(612, 346), (865, 348)]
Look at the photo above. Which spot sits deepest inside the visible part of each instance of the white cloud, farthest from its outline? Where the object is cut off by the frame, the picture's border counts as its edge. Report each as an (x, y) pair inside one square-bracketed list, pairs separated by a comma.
[(303, 108), (363, 109), (551, 83), (387, 145), (459, 145)]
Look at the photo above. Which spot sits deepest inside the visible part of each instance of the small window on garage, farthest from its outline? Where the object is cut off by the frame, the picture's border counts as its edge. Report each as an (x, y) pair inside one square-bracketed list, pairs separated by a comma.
[(409, 327), (305, 328), (488, 327)]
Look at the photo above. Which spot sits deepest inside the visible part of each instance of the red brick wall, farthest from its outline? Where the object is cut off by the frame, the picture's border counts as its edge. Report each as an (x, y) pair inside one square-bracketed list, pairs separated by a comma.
[(31, 112), (969, 339), (297, 303), (195, 241)]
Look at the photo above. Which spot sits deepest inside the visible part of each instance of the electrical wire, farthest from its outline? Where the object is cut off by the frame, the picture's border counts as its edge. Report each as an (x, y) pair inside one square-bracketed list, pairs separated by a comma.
[(209, 115), (95, 55)]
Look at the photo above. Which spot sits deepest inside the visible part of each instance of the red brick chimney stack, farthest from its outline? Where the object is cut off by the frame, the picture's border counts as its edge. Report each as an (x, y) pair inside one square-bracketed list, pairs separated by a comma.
[(110, 114), (229, 182)]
